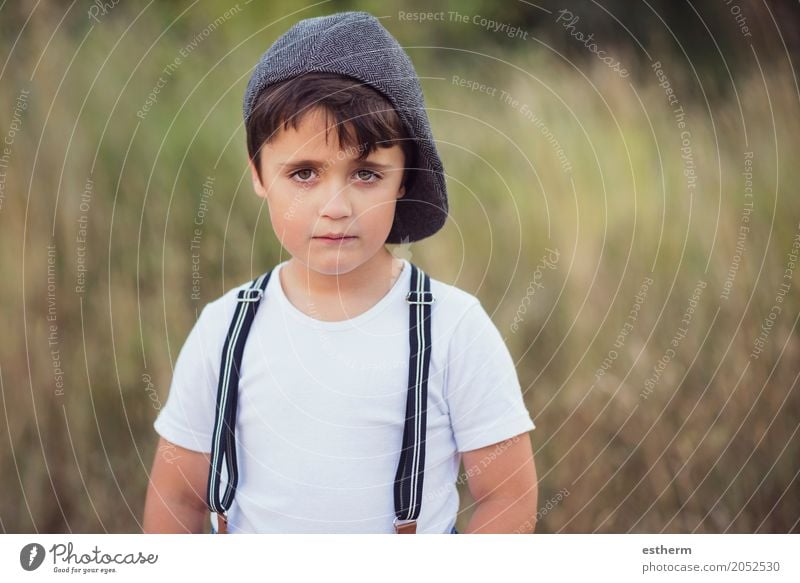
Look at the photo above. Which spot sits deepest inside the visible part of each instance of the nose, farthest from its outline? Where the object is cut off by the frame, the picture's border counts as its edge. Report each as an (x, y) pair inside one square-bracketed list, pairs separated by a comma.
[(336, 201)]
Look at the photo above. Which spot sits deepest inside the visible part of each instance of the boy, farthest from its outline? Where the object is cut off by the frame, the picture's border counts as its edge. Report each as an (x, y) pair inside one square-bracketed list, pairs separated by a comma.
[(341, 150)]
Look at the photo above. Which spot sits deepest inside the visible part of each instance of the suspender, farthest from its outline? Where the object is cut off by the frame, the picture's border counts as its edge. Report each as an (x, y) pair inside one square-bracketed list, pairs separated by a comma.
[(223, 444), (411, 467), (410, 470)]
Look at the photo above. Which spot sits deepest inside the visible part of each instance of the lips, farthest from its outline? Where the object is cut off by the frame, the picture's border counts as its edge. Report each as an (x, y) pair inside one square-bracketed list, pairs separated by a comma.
[(336, 241), (335, 237)]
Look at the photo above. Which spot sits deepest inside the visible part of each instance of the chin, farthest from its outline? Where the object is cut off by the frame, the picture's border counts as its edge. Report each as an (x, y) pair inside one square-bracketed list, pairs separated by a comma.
[(331, 264)]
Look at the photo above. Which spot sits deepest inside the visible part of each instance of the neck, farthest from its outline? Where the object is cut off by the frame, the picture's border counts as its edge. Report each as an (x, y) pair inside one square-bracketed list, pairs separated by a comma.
[(375, 275)]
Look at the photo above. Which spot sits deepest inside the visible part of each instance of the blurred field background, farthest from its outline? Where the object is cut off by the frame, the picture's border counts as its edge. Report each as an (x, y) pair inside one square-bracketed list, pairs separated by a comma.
[(710, 445)]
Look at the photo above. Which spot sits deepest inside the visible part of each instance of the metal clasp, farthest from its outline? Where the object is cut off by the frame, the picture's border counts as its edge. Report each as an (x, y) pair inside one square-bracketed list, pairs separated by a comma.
[(253, 294), (424, 294), (219, 523)]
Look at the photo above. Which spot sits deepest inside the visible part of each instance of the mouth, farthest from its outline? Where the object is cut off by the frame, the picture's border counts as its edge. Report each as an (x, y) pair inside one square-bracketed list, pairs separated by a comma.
[(336, 238)]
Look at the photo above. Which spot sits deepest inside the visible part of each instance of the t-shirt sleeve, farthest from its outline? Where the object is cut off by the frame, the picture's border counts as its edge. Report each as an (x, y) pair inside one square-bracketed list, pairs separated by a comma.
[(482, 390), (187, 418)]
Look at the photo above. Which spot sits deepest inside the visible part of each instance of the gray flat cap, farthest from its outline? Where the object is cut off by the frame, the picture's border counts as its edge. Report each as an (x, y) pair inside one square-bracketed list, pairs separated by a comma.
[(356, 45)]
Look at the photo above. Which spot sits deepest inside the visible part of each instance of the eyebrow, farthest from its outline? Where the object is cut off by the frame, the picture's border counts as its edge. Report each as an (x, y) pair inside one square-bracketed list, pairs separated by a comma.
[(296, 163)]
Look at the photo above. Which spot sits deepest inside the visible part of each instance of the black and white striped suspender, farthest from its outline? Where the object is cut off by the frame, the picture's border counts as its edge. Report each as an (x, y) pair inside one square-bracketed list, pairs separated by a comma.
[(223, 444), (411, 467)]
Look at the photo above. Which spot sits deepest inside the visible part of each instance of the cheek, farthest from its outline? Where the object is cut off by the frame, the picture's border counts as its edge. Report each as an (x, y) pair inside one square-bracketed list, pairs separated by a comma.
[(287, 213), (378, 216)]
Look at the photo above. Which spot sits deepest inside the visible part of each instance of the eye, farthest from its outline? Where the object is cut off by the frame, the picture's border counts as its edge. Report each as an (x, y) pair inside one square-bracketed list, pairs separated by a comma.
[(303, 175), (367, 175)]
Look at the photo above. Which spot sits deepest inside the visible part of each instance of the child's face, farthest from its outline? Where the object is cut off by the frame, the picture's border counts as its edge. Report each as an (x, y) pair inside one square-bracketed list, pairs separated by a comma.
[(313, 188)]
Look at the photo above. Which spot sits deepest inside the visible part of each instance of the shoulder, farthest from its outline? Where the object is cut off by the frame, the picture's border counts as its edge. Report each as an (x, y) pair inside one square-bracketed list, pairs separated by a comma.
[(452, 303), (227, 301), (463, 321), (217, 314)]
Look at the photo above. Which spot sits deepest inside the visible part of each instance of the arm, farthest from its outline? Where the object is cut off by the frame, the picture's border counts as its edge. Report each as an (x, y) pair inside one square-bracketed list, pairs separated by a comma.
[(503, 483), (176, 493)]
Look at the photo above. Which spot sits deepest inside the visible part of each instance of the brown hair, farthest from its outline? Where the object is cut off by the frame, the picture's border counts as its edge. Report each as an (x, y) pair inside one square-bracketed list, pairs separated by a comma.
[(364, 118)]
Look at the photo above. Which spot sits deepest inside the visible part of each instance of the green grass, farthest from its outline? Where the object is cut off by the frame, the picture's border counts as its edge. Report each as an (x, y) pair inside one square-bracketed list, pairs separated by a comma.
[(714, 447)]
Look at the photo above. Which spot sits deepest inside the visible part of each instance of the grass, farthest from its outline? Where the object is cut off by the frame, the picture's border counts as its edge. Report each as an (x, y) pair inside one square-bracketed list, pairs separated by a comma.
[(712, 448)]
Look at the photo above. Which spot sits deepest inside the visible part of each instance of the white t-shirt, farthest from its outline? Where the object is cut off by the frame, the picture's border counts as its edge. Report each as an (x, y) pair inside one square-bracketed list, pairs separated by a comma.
[(321, 406)]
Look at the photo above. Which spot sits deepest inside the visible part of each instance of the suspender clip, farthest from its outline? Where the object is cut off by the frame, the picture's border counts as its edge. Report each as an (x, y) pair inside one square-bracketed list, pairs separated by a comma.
[(222, 523), (425, 297), (405, 526), (253, 294)]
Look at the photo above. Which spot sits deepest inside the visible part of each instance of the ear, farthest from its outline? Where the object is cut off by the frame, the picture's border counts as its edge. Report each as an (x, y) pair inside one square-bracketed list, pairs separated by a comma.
[(402, 192), (257, 186)]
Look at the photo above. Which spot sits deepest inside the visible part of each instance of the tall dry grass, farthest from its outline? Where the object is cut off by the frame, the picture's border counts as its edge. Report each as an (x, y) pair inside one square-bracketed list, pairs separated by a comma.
[(712, 448)]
